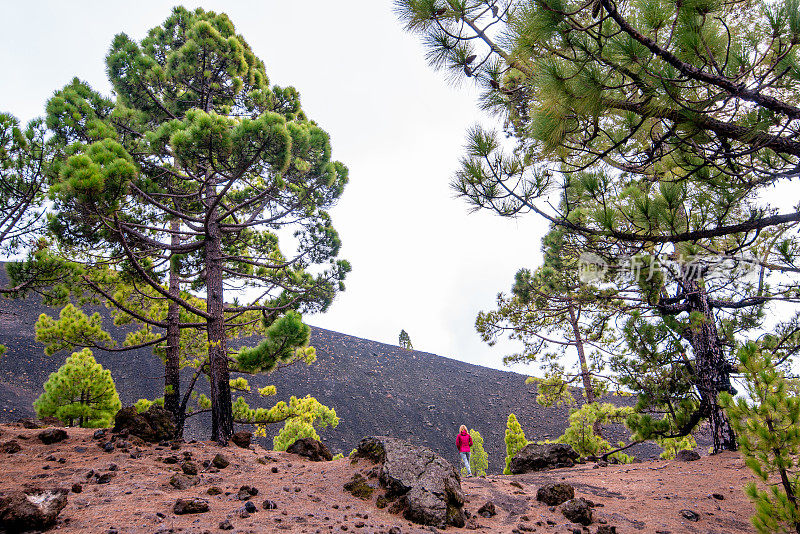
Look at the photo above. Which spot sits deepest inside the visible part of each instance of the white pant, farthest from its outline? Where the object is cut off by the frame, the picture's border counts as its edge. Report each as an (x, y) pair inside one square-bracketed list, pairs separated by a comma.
[(465, 460)]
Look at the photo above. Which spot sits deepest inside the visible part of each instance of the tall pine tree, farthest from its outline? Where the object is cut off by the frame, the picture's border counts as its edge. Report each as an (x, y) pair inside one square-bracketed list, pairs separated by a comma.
[(651, 129), (198, 168)]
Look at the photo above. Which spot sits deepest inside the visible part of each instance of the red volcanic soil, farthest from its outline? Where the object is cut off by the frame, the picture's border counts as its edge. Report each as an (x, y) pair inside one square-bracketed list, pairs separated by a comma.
[(644, 497)]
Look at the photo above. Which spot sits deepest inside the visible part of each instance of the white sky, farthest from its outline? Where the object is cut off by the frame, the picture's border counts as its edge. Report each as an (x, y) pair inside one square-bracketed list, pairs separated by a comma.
[(421, 262)]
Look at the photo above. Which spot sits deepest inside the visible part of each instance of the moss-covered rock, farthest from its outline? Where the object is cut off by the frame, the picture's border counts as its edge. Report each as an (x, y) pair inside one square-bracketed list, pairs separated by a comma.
[(358, 487)]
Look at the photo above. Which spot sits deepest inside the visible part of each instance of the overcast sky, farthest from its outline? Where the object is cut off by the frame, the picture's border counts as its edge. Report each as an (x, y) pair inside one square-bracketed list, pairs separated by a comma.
[(421, 262)]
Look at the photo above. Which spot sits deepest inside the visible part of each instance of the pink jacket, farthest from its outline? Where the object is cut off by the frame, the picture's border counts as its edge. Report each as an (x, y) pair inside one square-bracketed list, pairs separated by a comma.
[(463, 442)]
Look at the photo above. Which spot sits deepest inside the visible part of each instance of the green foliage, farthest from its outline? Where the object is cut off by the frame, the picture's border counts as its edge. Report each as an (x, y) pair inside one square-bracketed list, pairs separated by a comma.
[(308, 417), (203, 402), (672, 446), (285, 340), (72, 329), (142, 405), (195, 132), (580, 432), (768, 425), (81, 392), (293, 430), (620, 137), (552, 389), (479, 458), (338, 456), (554, 315), (405, 340), (515, 440), (24, 155)]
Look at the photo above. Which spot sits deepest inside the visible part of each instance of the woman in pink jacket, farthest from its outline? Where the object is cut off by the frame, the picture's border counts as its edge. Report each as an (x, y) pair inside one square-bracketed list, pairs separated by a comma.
[(463, 444)]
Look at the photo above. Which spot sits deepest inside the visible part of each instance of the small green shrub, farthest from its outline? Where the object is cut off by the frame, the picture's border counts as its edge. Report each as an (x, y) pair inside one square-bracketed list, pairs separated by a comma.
[(479, 458), (81, 392), (515, 441)]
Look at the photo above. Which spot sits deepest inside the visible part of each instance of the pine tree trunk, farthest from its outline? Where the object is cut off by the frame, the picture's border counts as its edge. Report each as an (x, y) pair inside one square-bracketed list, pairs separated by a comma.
[(712, 372), (221, 407), (586, 376), (172, 376), (80, 419)]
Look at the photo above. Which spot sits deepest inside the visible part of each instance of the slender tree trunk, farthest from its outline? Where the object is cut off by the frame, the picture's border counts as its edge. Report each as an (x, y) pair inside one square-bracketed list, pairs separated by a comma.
[(172, 376), (586, 376), (712, 372), (221, 407), (80, 419)]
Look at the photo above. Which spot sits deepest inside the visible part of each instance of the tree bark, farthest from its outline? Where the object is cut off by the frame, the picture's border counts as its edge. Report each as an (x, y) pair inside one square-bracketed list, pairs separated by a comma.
[(586, 376), (172, 376), (221, 406), (712, 372)]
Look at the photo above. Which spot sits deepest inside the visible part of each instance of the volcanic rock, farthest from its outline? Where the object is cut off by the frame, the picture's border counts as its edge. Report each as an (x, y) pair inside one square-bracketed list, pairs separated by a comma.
[(242, 439), (578, 511), (691, 515), (357, 486), (542, 456), (220, 461), (427, 486), (155, 425), (190, 468), (192, 505), (182, 482), (310, 448), (555, 494), (31, 509), (687, 456), (10, 447), (52, 435), (487, 510)]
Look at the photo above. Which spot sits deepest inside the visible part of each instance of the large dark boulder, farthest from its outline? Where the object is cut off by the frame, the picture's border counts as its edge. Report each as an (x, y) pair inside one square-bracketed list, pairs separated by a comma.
[(542, 456), (31, 508), (310, 448), (555, 494), (52, 435), (578, 511), (242, 439), (426, 487), (154, 425), (687, 456), (191, 505)]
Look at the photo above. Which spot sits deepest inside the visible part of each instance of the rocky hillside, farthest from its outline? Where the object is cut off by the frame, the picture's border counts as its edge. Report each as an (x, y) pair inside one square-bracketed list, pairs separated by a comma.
[(198, 487), (375, 388)]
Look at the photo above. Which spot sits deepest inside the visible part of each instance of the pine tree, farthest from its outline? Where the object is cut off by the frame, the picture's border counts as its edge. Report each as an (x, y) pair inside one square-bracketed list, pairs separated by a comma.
[(479, 458), (23, 188), (405, 340), (515, 441), (193, 173), (24, 159), (553, 314), (81, 392), (768, 423), (645, 143)]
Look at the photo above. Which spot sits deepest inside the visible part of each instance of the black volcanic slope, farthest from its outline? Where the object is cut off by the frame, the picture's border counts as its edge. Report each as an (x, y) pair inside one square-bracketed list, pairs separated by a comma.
[(375, 388)]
